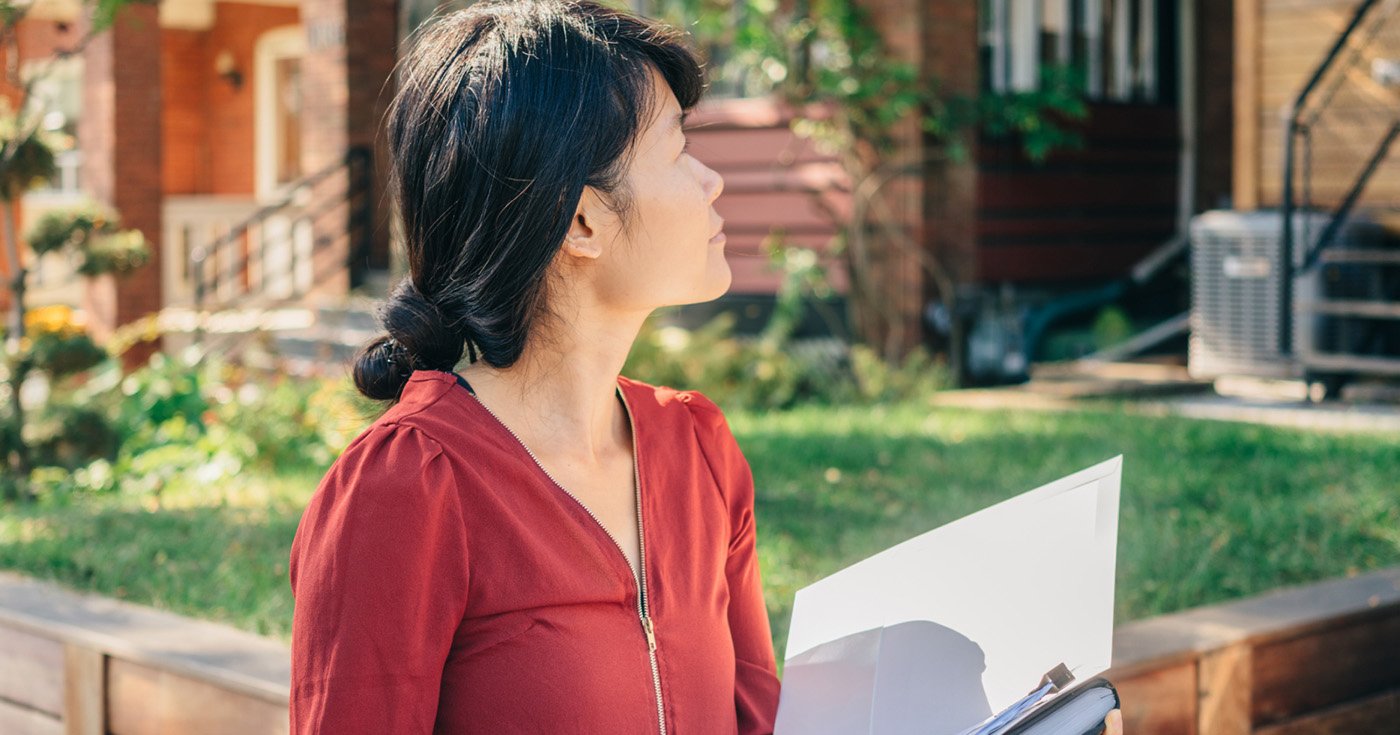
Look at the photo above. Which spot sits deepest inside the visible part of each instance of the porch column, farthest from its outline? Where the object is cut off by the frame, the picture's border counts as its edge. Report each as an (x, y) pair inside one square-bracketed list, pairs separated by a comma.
[(120, 136), (350, 54)]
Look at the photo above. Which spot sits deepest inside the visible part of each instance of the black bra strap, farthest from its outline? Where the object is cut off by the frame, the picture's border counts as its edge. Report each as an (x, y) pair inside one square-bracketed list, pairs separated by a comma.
[(463, 382)]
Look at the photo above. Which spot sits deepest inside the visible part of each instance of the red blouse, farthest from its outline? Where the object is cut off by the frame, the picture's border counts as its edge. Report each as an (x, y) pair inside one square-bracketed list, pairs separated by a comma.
[(444, 583)]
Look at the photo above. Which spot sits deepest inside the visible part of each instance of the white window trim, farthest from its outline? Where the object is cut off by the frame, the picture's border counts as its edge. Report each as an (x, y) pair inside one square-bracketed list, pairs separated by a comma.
[(1064, 44), (994, 37), (1025, 45), (1122, 51), (1093, 22), (1147, 48), (273, 45)]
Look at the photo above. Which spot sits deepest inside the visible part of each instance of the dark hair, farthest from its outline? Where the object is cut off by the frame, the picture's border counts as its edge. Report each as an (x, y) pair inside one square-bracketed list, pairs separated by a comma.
[(504, 112)]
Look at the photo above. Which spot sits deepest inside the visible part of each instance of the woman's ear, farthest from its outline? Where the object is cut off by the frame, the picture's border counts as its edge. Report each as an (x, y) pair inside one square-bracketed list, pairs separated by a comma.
[(582, 238)]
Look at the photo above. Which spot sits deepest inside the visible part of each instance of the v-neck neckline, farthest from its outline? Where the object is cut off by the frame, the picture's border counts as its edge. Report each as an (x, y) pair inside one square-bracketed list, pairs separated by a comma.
[(636, 572)]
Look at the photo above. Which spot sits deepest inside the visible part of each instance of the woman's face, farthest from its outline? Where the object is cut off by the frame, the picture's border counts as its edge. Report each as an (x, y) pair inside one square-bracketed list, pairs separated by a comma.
[(670, 255)]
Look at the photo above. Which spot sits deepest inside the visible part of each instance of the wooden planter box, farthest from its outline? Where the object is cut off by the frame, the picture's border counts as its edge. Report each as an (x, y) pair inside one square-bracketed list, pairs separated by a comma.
[(1320, 658)]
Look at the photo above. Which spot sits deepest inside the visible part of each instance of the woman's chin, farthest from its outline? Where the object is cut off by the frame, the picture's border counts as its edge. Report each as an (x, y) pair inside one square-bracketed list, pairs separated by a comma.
[(716, 284), (723, 280)]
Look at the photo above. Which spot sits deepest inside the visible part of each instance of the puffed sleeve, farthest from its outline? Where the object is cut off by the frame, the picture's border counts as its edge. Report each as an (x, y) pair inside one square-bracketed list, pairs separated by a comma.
[(756, 673), (378, 570)]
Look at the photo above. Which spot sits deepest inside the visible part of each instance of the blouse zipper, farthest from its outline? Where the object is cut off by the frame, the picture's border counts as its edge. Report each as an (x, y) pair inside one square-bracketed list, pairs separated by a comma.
[(643, 609)]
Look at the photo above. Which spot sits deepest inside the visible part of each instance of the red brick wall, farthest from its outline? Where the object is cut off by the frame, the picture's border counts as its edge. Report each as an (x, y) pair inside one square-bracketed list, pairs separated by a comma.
[(351, 50), (186, 71), (208, 124), (120, 133)]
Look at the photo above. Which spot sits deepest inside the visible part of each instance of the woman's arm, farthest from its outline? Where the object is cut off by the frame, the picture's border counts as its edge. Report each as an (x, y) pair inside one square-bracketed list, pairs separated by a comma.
[(756, 675), (379, 573)]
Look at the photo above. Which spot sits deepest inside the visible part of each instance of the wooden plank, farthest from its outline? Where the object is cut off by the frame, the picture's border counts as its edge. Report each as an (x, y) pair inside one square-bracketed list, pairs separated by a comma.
[(1246, 98), (1158, 701), (16, 720), (33, 672), (84, 691), (762, 146), (789, 209), (1225, 687), (147, 701), (236, 659), (1370, 714), (1312, 670), (805, 177)]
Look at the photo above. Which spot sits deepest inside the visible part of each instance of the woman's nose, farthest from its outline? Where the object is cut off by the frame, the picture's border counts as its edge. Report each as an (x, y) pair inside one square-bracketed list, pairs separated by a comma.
[(714, 181)]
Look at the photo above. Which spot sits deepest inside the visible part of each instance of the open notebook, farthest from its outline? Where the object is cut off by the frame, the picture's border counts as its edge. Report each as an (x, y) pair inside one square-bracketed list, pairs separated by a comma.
[(941, 634)]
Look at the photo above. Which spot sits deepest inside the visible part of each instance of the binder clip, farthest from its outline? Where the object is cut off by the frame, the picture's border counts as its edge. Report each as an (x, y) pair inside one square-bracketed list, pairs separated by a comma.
[(1058, 678)]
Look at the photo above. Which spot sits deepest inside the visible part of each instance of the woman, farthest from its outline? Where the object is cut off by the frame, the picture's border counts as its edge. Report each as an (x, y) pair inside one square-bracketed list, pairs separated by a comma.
[(532, 542), (493, 554)]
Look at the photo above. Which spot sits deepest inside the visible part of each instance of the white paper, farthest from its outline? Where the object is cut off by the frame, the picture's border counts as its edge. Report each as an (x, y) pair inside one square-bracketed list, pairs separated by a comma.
[(935, 634)]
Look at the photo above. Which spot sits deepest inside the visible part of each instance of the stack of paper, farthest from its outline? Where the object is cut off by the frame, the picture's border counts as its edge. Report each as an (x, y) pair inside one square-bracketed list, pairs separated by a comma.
[(940, 633)]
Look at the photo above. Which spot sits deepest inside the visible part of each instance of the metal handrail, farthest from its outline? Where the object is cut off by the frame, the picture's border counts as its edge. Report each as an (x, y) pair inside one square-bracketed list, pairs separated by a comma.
[(356, 159), (1294, 128)]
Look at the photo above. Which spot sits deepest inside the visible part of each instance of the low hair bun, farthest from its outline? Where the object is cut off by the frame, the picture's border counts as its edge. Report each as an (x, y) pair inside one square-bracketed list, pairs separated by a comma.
[(420, 337)]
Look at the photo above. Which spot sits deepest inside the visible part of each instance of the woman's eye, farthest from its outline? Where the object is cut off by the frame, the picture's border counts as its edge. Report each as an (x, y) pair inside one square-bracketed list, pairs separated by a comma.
[(685, 145)]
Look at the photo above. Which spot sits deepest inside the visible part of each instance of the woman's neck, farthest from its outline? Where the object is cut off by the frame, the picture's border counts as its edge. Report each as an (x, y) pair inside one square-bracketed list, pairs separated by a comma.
[(563, 402)]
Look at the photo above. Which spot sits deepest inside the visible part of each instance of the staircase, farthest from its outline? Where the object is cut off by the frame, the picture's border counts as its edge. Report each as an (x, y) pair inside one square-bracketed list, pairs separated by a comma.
[(258, 290), (1342, 317)]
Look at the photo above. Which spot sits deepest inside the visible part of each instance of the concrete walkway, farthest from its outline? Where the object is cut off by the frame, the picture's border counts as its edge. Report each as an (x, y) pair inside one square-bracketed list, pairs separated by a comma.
[(1167, 390)]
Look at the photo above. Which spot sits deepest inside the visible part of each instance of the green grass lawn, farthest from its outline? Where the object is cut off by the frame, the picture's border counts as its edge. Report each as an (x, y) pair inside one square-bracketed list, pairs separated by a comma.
[(1210, 511)]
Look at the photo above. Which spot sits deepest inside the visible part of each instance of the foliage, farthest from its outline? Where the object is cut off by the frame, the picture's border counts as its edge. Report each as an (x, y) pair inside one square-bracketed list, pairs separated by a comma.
[(829, 51), (56, 343), (67, 435), (761, 374), (92, 232), (827, 61), (31, 157), (27, 160), (297, 422), (1111, 327), (178, 420)]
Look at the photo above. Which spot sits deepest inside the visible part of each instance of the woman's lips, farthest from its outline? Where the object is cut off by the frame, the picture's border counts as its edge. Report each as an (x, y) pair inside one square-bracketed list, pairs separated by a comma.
[(719, 238)]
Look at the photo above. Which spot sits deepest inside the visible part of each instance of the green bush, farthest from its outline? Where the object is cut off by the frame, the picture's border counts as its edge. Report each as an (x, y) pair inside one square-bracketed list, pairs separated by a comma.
[(176, 420), (70, 436), (758, 373)]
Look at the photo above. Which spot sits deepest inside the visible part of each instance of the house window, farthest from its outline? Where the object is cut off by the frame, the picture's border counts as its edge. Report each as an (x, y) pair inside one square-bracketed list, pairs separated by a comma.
[(58, 98), (1116, 45)]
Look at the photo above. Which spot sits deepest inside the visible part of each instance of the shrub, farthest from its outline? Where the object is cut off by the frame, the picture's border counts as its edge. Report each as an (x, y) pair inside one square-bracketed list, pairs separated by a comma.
[(756, 373)]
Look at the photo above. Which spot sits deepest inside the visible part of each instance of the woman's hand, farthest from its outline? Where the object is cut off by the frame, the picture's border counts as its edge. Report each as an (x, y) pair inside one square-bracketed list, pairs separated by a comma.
[(1113, 723)]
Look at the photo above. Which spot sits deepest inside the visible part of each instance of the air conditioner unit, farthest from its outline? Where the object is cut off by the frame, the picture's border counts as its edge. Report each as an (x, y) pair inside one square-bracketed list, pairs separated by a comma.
[(1236, 324)]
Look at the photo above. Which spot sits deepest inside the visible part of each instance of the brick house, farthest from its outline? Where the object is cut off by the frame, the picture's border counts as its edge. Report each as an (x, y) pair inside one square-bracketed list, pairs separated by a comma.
[(197, 116)]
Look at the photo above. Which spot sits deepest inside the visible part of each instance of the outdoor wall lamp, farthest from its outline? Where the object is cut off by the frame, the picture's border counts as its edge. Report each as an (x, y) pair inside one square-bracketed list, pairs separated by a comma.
[(226, 68)]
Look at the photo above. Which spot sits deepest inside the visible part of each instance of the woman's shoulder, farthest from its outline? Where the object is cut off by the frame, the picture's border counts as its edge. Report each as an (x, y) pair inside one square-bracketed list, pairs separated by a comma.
[(665, 397), (692, 406)]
